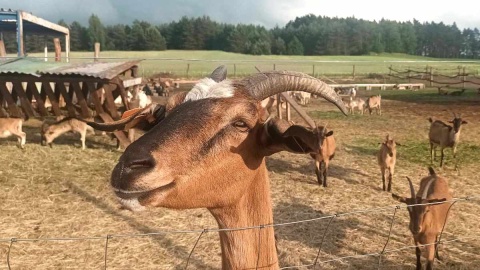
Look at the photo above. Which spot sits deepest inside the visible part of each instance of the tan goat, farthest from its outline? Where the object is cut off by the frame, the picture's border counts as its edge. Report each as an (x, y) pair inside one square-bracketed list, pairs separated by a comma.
[(51, 132), (444, 136), (427, 221), (353, 103), (217, 161), (322, 143), (387, 157), (374, 102), (13, 127)]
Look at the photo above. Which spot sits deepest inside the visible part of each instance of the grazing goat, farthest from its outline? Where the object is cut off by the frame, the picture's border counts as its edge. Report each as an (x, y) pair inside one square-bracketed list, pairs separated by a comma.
[(374, 102), (217, 161), (427, 221), (444, 136), (303, 97), (13, 127), (353, 103), (386, 157), (442, 92), (51, 132)]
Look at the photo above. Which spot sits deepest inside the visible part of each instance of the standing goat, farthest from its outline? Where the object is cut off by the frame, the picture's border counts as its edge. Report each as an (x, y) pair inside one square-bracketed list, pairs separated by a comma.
[(374, 102), (427, 221), (353, 103), (13, 127), (387, 157), (51, 132), (322, 144), (217, 161), (444, 136)]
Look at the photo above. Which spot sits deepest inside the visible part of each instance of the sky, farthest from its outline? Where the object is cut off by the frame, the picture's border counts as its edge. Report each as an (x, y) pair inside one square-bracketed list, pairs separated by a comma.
[(269, 13)]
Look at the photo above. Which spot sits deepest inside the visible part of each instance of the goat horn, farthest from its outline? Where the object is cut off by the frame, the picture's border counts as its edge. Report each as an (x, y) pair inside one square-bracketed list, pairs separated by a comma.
[(427, 187), (412, 190), (265, 84), (219, 74)]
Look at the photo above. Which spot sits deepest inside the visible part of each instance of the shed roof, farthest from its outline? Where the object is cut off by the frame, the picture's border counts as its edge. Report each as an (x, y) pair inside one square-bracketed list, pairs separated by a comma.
[(31, 23), (37, 67)]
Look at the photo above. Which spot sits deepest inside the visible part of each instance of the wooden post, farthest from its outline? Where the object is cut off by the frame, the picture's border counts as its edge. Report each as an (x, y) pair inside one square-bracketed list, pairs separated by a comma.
[(58, 50), (60, 86), (234, 70), (45, 51), (32, 87), (188, 69), (26, 104), (279, 106), (353, 72), (12, 107), (464, 78), (67, 47), (299, 109), (47, 88), (313, 70), (288, 112), (431, 77), (20, 44), (3, 52), (81, 99), (96, 53), (274, 67)]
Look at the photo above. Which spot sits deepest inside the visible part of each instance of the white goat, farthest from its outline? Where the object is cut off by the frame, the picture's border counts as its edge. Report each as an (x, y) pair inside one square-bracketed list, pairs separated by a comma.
[(13, 127)]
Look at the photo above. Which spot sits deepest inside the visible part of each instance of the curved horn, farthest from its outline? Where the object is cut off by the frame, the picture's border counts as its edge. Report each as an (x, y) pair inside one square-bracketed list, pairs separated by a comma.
[(427, 187), (219, 74), (265, 84), (412, 190)]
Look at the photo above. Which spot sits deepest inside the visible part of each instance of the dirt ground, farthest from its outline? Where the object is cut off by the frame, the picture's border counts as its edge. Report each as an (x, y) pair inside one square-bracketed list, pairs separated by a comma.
[(59, 200)]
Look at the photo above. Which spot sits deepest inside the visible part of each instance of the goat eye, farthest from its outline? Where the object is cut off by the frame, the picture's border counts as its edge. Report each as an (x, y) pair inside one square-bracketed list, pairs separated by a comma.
[(240, 125)]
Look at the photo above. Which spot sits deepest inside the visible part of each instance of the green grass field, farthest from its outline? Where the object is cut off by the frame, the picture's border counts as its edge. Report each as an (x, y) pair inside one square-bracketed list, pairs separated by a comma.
[(200, 63)]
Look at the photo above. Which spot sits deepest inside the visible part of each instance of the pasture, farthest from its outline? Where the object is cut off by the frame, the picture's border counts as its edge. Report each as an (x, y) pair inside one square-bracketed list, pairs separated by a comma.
[(201, 63), (61, 197)]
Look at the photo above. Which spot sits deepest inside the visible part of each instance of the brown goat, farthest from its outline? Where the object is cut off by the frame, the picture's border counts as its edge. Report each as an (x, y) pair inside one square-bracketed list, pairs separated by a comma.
[(374, 102), (13, 127), (387, 157), (217, 161), (320, 141), (427, 221), (444, 136), (51, 132)]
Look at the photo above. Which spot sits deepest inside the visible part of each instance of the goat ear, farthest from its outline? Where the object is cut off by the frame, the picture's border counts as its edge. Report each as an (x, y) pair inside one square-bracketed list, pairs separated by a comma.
[(278, 135), (399, 198), (464, 122), (450, 121), (330, 133), (398, 144), (175, 100)]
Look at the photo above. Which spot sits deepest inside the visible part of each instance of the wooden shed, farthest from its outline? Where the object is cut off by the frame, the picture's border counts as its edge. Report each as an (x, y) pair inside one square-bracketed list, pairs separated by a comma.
[(31, 86)]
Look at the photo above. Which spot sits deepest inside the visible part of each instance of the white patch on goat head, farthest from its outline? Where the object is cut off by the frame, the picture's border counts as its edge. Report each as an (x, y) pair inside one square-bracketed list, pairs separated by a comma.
[(208, 88), (132, 204)]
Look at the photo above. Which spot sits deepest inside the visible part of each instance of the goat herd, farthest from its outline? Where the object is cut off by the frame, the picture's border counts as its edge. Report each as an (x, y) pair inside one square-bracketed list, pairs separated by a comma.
[(231, 137)]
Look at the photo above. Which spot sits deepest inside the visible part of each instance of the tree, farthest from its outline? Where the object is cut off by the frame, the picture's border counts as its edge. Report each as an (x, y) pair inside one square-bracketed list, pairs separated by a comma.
[(79, 38), (295, 47), (278, 46), (154, 39), (96, 31)]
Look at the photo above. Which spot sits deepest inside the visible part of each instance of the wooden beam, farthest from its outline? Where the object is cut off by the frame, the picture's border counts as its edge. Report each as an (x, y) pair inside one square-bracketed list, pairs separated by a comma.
[(110, 102), (279, 106), (81, 100), (96, 97), (132, 82), (124, 141), (12, 107), (299, 109), (26, 104), (63, 91), (58, 50), (123, 93), (47, 88), (36, 20), (32, 87), (3, 52)]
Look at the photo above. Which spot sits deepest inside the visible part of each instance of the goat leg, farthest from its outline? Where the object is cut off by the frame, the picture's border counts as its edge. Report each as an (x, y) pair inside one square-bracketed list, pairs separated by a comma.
[(318, 167), (324, 171), (383, 179), (418, 252), (390, 176)]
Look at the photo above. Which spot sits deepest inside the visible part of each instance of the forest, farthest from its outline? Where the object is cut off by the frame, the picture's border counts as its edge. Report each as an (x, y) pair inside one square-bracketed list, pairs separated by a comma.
[(307, 35)]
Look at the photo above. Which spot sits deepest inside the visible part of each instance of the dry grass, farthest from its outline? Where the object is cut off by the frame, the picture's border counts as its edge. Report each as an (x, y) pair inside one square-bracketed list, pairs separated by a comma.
[(64, 192)]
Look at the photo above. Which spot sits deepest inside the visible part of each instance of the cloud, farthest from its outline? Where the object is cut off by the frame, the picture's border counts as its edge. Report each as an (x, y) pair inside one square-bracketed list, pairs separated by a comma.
[(262, 12)]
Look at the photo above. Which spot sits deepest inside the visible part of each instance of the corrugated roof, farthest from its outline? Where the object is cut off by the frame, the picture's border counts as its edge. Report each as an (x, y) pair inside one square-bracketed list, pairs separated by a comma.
[(37, 67)]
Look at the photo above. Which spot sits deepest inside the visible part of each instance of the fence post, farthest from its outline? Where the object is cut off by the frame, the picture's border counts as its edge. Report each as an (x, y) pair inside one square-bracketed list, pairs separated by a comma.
[(96, 53), (353, 72), (464, 77), (58, 49), (274, 67), (234, 70), (431, 76), (3, 52), (188, 69), (313, 70)]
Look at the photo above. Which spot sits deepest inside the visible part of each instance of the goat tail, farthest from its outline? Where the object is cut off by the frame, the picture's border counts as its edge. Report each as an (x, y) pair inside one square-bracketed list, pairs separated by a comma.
[(431, 171), (430, 120)]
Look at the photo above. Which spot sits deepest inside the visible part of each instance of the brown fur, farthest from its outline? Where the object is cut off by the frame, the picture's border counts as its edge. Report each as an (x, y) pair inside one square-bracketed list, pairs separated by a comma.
[(387, 157), (444, 136), (427, 221), (13, 127), (374, 102), (51, 132), (324, 154)]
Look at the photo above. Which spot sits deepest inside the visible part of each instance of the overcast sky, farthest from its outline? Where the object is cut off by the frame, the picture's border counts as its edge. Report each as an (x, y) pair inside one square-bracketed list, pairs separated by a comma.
[(466, 13)]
